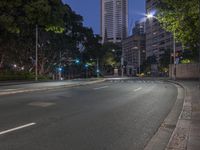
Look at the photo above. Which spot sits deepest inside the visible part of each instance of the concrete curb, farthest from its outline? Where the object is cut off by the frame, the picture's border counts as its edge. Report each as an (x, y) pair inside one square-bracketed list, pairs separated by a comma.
[(180, 134), (161, 138), (52, 88), (21, 82), (40, 81)]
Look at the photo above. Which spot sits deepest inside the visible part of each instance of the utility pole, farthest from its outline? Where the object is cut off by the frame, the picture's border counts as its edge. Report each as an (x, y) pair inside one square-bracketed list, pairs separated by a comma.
[(122, 66), (97, 67), (199, 46), (36, 53), (139, 60), (60, 70), (174, 47)]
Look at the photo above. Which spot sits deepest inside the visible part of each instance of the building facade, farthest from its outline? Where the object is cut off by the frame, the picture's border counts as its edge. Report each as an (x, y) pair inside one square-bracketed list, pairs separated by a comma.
[(114, 20), (158, 41), (139, 28), (133, 51)]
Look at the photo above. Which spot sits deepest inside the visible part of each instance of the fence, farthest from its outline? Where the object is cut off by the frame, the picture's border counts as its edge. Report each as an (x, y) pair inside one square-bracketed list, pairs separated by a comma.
[(185, 71)]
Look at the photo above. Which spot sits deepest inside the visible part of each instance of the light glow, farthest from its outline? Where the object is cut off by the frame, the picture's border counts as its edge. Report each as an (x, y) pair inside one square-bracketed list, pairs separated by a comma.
[(149, 15)]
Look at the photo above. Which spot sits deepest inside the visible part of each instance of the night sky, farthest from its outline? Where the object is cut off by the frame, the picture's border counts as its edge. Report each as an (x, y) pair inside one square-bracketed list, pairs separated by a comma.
[(90, 10)]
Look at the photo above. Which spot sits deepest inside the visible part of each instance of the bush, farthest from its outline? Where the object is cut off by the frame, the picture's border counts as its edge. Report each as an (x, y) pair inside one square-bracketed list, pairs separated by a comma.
[(11, 75)]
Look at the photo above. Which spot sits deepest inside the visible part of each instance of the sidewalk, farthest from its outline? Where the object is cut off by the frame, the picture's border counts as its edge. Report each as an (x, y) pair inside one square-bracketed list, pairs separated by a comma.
[(186, 135), (7, 88)]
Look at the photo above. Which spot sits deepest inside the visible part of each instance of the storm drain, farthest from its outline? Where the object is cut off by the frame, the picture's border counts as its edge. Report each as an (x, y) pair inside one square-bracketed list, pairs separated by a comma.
[(168, 126)]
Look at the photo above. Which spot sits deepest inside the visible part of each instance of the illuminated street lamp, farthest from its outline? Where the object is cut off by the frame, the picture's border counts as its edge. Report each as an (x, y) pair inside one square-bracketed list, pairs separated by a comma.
[(139, 58), (36, 53), (149, 16), (59, 69), (77, 61), (86, 66), (97, 69), (15, 66)]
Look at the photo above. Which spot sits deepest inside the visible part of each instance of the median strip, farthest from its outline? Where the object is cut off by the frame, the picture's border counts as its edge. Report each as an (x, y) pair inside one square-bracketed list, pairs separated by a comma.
[(17, 128)]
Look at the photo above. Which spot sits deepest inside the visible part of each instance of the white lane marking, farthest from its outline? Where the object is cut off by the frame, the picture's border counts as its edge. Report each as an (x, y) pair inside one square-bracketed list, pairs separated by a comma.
[(137, 89), (7, 89), (103, 87), (17, 128), (41, 104)]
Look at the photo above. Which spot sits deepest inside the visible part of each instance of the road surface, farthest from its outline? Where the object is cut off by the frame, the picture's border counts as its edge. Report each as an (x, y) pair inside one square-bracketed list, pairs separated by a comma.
[(113, 115)]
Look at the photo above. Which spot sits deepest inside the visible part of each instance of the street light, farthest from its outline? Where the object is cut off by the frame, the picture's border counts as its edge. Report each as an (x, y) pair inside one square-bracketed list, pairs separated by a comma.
[(199, 48), (122, 64), (77, 61), (36, 53), (15, 66), (174, 47), (149, 16), (97, 69), (139, 58)]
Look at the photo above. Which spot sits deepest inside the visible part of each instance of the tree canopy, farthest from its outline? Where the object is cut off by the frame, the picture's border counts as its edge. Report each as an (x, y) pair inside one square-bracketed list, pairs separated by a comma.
[(61, 30), (181, 17)]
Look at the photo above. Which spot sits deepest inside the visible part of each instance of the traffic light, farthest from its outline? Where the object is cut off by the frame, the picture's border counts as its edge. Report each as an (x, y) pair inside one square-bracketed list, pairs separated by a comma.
[(86, 65), (60, 69), (77, 61)]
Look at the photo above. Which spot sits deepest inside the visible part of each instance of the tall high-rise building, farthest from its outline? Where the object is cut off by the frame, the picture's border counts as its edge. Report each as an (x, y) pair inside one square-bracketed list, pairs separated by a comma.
[(114, 20)]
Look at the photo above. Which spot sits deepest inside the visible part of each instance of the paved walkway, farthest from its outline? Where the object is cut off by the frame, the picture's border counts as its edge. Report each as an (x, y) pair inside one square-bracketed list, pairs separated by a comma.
[(186, 135)]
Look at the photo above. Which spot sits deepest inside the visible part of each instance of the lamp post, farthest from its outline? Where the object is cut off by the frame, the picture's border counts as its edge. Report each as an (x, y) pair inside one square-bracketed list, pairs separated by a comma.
[(199, 46), (60, 69), (174, 48), (97, 68), (36, 53), (139, 58), (149, 15), (122, 66)]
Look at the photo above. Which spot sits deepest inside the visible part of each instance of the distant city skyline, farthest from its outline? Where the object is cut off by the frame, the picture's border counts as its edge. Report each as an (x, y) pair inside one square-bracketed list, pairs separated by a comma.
[(90, 10)]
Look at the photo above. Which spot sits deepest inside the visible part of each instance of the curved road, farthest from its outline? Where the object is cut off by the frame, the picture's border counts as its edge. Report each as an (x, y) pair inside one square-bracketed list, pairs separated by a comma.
[(113, 115)]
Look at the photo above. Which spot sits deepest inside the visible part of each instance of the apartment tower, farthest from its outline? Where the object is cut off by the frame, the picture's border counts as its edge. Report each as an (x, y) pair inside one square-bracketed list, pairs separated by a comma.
[(114, 20)]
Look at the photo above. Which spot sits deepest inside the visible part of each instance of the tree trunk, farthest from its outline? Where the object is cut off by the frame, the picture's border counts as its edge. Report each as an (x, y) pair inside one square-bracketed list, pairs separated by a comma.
[(1, 61), (41, 70)]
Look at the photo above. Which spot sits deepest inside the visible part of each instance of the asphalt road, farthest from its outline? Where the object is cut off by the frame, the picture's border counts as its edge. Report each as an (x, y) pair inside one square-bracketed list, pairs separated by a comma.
[(113, 115)]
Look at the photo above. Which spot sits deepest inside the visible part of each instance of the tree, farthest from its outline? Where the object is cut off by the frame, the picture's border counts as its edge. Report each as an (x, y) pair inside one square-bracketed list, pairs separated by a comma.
[(182, 18), (165, 59), (61, 30), (17, 25)]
